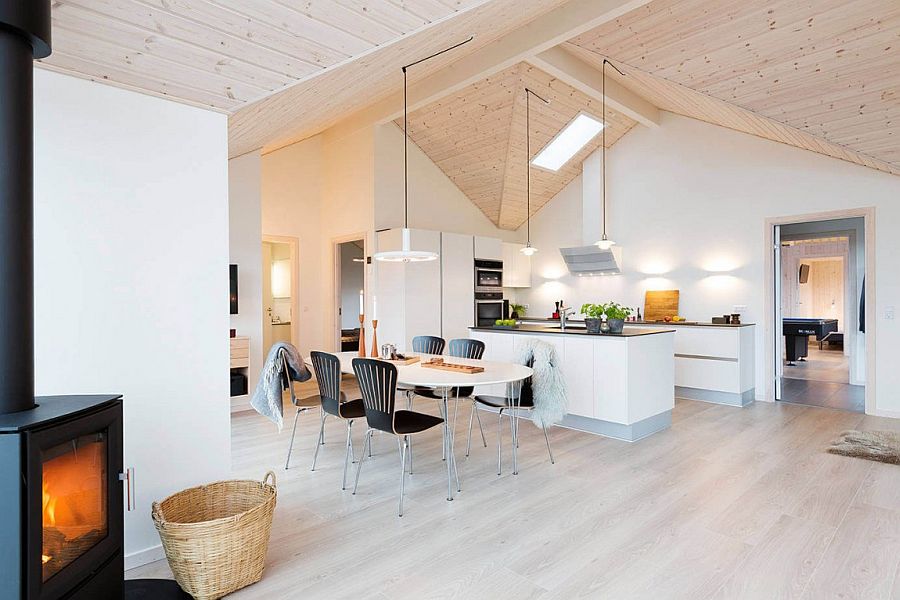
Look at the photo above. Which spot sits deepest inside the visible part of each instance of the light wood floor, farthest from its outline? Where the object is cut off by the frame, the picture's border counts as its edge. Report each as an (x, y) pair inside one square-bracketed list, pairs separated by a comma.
[(828, 364), (728, 503)]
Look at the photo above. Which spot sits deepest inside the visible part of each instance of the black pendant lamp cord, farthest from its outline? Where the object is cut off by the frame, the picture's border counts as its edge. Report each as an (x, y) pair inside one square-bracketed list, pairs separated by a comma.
[(405, 127), (603, 139), (528, 94)]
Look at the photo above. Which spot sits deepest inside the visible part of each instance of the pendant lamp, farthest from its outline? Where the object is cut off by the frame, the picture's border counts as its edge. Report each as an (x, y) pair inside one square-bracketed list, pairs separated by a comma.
[(605, 243), (528, 249), (406, 254)]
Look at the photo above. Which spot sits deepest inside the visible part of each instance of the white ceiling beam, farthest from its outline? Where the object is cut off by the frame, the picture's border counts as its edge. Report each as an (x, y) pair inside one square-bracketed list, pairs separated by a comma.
[(587, 79), (545, 32)]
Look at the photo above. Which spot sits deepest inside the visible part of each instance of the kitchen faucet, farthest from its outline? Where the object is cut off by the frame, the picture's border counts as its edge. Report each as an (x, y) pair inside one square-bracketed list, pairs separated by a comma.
[(563, 315)]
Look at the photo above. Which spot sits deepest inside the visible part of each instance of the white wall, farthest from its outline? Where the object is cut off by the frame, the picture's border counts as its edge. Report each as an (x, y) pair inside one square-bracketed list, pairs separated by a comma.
[(245, 250), (434, 200), (131, 286), (688, 203), (291, 207)]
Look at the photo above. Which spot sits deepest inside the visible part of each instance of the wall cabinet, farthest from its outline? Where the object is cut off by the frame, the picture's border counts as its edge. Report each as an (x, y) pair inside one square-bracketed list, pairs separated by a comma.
[(516, 267), (457, 285), (487, 248)]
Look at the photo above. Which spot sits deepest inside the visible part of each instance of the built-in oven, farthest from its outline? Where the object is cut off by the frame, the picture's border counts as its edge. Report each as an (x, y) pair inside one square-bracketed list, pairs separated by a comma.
[(488, 276), (488, 310)]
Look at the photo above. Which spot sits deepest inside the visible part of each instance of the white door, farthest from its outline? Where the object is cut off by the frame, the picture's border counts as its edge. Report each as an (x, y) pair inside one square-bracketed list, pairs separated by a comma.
[(778, 316)]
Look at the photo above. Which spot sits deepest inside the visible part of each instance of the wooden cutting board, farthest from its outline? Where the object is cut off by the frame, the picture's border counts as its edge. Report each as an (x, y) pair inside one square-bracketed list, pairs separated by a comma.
[(659, 304), (437, 363), (402, 361)]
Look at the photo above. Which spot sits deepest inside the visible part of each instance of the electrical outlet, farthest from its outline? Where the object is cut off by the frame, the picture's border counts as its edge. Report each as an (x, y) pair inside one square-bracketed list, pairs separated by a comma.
[(889, 313)]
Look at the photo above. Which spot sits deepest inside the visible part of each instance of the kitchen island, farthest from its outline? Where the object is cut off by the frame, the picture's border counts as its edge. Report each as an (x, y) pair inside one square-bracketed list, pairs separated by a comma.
[(619, 385)]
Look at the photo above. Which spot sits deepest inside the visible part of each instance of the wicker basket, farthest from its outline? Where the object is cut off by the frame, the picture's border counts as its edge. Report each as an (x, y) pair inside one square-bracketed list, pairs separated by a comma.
[(215, 536)]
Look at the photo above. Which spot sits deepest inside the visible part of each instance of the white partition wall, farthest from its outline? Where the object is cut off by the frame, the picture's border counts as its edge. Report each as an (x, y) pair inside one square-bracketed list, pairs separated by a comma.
[(131, 278)]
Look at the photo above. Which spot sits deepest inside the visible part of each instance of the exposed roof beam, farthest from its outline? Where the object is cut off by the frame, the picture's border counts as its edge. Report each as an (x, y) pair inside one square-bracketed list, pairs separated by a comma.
[(586, 78), (543, 33)]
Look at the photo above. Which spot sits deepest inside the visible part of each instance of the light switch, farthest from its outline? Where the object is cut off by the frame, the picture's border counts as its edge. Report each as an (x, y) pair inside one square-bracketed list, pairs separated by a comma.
[(889, 313)]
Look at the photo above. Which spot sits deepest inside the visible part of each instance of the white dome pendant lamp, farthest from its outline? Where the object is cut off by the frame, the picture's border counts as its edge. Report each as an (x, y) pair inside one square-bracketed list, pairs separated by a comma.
[(406, 254), (605, 243), (528, 249)]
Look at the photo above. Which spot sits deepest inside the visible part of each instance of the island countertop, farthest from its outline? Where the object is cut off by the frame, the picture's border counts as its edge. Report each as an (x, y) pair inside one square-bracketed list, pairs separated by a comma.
[(580, 323), (628, 332)]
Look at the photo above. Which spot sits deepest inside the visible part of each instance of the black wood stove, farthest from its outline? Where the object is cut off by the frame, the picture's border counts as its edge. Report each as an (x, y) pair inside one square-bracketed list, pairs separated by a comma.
[(61, 530)]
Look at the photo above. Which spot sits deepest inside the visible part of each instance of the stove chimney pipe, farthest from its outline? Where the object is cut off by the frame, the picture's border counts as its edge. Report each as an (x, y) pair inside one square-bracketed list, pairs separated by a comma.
[(24, 36)]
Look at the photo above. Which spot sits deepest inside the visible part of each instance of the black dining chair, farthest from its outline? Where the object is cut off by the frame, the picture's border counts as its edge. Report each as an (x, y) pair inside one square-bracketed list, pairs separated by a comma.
[(327, 368), (422, 344), (508, 404), (378, 384), (462, 348)]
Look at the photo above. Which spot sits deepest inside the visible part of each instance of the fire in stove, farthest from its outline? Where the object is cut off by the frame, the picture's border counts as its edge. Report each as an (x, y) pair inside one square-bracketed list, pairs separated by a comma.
[(74, 511)]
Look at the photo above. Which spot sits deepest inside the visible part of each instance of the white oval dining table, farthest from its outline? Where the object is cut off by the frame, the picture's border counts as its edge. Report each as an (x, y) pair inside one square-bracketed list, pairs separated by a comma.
[(416, 375)]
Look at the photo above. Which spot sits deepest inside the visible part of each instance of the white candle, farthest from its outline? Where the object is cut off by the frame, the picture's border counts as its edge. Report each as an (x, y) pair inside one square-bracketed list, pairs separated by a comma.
[(374, 308), (362, 303)]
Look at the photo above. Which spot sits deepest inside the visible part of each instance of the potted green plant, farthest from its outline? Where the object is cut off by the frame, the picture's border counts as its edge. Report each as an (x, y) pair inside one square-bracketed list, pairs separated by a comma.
[(593, 314), (516, 311), (615, 316)]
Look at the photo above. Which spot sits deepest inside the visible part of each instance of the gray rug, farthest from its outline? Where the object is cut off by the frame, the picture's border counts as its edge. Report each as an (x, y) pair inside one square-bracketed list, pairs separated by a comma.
[(883, 446)]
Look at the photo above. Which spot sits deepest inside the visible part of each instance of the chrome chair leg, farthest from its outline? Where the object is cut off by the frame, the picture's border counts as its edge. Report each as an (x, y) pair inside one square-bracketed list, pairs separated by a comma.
[(549, 451), (287, 461), (480, 428), (500, 443), (320, 442), (402, 471), (348, 457), (362, 458), (469, 436)]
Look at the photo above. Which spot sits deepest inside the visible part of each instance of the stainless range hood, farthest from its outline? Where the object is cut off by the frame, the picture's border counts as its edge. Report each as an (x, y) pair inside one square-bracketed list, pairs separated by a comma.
[(591, 260)]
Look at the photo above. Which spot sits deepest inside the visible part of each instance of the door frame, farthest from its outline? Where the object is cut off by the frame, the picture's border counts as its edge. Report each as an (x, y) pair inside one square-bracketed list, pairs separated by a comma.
[(294, 244), (868, 216), (336, 281)]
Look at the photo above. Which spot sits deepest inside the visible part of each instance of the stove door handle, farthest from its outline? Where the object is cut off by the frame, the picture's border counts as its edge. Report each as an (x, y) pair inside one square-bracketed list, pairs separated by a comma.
[(128, 478)]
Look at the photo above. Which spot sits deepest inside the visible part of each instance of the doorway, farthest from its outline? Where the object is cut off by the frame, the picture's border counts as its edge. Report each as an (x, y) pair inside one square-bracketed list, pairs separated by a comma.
[(350, 281), (279, 290), (820, 321)]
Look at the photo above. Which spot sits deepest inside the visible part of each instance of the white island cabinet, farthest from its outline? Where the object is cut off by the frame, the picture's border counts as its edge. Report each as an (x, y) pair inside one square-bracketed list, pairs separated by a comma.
[(620, 386)]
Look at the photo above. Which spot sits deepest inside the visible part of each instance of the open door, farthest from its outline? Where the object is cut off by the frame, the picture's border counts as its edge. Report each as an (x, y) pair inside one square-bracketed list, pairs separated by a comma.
[(778, 316)]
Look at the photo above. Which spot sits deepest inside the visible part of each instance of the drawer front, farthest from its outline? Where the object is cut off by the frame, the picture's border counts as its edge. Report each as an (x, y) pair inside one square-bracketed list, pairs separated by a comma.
[(240, 352), (707, 341), (707, 374), (240, 363), (578, 370), (240, 343)]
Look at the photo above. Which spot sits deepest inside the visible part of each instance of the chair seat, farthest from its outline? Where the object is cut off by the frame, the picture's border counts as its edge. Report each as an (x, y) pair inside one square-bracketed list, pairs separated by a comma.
[(409, 421), (308, 402), (503, 402), (460, 392), (354, 409)]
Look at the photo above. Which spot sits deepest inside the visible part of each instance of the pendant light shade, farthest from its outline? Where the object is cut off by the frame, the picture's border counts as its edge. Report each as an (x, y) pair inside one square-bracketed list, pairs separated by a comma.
[(528, 249), (605, 243), (406, 254)]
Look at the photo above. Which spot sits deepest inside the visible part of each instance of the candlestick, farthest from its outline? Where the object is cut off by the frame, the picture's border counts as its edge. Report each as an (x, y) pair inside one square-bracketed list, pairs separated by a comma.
[(362, 335), (375, 353)]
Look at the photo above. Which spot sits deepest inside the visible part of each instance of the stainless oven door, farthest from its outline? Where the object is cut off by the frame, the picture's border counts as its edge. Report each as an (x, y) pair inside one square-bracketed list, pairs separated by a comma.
[(488, 280), (488, 311)]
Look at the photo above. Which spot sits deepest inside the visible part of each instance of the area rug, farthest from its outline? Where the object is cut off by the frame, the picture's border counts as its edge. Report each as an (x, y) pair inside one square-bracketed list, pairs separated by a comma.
[(883, 446)]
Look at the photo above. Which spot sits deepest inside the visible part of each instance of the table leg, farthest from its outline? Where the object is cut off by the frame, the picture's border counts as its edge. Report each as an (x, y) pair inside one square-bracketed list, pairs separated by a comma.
[(446, 411), (514, 415)]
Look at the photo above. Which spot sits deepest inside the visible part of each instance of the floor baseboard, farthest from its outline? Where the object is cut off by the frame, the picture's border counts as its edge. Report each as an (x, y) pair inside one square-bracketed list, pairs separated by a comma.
[(144, 557)]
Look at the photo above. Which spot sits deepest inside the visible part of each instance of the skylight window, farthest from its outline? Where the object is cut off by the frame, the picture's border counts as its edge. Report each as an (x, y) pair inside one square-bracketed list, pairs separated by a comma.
[(568, 142)]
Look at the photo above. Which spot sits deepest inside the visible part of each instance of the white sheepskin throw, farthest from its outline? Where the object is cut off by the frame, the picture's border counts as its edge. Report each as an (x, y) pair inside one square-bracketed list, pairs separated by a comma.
[(547, 384)]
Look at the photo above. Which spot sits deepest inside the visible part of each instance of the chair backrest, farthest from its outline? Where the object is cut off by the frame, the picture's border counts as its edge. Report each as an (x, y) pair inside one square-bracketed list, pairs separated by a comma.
[(466, 348), (328, 374), (378, 384), (428, 344), (286, 383)]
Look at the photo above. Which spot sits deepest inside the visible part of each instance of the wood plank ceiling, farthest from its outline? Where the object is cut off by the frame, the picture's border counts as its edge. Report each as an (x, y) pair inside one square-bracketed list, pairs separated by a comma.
[(223, 54), (477, 138), (822, 75)]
